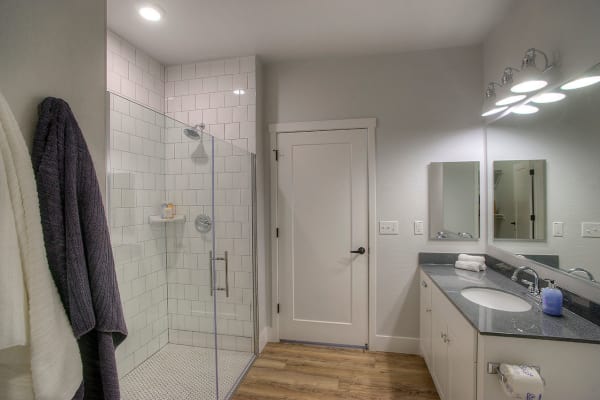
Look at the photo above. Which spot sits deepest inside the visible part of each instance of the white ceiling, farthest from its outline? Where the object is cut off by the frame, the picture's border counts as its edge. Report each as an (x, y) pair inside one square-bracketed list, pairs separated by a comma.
[(193, 30)]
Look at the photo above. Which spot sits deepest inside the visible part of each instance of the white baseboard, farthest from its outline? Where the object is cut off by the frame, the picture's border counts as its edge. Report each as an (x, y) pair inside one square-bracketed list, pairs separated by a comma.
[(395, 344), (263, 338)]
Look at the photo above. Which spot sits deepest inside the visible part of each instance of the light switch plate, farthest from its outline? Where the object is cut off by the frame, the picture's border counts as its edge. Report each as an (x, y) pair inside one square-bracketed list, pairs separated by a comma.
[(590, 229), (388, 227), (558, 229), (419, 229)]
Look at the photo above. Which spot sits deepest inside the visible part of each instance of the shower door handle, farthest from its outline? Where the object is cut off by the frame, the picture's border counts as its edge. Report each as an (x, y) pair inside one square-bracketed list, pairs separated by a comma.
[(226, 259), (210, 268)]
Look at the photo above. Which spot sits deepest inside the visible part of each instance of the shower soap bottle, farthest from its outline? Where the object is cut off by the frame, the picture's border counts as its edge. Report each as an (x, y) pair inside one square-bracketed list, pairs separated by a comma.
[(552, 299)]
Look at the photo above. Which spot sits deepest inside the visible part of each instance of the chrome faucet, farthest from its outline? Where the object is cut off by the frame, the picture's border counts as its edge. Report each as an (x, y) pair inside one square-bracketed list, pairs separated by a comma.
[(534, 288), (585, 271)]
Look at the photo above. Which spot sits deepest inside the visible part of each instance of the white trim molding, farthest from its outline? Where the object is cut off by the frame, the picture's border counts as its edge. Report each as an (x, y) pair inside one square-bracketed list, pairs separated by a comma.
[(395, 344), (313, 126)]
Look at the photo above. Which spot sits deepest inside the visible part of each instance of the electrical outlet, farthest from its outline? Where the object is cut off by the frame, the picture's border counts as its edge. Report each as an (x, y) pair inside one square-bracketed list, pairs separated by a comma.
[(388, 227), (590, 229), (419, 228), (558, 229)]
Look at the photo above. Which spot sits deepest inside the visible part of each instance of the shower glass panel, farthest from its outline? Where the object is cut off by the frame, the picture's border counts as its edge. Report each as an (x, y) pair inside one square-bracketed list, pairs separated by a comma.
[(234, 262), (188, 283)]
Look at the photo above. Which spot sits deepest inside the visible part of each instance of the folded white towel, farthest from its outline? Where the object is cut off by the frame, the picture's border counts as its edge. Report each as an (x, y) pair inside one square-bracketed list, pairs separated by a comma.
[(470, 265), (468, 257), (521, 382)]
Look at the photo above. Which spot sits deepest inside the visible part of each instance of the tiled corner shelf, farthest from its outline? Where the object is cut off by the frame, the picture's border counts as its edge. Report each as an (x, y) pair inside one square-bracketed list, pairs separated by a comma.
[(157, 219)]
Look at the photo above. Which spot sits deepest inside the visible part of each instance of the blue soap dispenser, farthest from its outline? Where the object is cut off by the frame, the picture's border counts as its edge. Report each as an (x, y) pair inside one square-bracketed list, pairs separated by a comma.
[(552, 299)]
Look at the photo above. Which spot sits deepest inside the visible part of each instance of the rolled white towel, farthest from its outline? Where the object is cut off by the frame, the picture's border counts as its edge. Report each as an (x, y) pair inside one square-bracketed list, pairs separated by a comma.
[(521, 382), (468, 257), (469, 265)]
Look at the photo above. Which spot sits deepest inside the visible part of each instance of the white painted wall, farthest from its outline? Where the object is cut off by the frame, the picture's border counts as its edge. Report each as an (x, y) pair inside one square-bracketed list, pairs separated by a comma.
[(56, 48), (566, 29), (427, 109)]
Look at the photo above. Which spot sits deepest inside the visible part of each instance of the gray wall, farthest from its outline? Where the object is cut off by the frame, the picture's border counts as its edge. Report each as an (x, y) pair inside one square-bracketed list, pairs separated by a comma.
[(427, 108), (56, 48)]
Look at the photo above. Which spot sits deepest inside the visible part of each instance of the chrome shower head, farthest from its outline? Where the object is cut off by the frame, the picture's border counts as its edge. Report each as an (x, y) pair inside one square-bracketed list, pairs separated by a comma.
[(194, 133)]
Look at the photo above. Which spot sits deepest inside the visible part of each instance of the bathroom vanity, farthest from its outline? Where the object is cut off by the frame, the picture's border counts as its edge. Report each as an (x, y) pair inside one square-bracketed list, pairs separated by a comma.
[(459, 338)]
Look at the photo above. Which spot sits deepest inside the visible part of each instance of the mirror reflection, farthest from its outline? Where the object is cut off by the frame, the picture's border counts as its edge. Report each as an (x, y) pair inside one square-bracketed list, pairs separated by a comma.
[(566, 134), (520, 199), (454, 200)]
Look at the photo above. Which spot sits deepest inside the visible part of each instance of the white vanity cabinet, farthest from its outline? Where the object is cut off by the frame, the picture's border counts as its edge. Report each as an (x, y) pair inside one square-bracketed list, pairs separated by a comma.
[(457, 355), (451, 342), (425, 317)]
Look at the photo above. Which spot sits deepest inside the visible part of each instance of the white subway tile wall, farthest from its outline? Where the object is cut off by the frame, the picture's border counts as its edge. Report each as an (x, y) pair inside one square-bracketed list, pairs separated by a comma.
[(220, 93), (164, 271), (134, 74), (137, 158), (188, 184)]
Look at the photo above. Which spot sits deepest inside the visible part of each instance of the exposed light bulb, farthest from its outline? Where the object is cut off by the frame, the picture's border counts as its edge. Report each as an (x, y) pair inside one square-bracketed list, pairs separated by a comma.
[(510, 100), (524, 109), (150, 13), (581, 82), (493, 111), (549, 97), (529, 86), (239, 92)]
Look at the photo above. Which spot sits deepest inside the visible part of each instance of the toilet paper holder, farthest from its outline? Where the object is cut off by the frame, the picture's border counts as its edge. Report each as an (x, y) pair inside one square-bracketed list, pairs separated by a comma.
[(494, 369)]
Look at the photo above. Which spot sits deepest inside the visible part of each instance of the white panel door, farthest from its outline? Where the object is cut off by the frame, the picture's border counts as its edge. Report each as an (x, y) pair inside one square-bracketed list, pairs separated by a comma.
[(322, 211)]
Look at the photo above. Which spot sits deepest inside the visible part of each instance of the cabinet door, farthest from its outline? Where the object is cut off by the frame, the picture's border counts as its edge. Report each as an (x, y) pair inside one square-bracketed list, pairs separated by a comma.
[(462, 356), (425, 318), (439, 349)]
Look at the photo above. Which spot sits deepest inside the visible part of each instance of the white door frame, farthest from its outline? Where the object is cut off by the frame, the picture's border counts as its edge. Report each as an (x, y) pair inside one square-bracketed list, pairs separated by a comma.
[(314, 126)]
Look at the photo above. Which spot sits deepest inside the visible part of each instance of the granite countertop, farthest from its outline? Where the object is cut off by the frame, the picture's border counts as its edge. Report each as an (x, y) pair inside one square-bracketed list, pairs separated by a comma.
[(532, 324)]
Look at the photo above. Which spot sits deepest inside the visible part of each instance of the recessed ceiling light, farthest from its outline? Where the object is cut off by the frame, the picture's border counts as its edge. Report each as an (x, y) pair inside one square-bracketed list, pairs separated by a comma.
[(524, 109), (239, 92), (493, 111), (581, 82), (510, 100), (550, 97), (150, 13)]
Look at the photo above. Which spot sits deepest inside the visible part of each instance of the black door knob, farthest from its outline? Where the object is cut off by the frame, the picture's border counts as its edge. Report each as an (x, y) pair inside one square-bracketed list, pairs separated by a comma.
[(361, 250)]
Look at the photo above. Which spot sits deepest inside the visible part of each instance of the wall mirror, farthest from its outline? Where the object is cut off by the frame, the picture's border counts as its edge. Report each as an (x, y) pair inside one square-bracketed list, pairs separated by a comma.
[(454, 211), (520, 200), (565, 132)]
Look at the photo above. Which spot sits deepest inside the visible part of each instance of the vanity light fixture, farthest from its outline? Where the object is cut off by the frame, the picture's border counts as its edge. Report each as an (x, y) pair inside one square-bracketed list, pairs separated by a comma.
[(549, 97), (489, 106), (150, 13), (581, 82), (524, 109), (530, 78), (510, 100)]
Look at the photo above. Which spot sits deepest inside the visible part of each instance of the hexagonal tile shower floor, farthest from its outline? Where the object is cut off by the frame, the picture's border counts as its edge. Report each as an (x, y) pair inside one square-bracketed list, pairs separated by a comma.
[(179, 372)]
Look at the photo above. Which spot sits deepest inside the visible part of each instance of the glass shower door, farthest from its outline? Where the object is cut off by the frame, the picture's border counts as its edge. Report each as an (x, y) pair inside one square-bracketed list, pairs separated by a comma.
[(234, 264), (190, 247)]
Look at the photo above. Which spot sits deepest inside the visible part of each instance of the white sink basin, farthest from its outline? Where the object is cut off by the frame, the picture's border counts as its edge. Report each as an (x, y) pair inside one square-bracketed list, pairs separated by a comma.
[(496, 299)]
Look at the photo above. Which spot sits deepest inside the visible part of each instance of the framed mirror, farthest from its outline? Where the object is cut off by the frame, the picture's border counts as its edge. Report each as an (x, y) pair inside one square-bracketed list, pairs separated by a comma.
[(520, 200), (562, 139), (454, 212)]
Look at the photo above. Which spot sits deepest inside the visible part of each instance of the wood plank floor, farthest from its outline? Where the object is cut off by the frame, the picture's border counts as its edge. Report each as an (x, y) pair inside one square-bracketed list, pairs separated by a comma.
[(295, 371)]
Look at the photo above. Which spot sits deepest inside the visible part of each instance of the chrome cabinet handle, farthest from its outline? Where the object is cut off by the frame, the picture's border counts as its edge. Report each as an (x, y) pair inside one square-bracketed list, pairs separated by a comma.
[(226, 275), (423, 283)]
